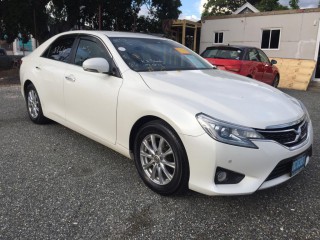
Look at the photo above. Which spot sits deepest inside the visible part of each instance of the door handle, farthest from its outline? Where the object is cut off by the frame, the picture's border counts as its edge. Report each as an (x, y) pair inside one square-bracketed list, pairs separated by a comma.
[(70, 78), (38, 68)]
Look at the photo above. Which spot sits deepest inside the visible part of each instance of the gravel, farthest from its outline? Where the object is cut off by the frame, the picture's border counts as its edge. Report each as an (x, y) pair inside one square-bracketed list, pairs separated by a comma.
[(57, 184)]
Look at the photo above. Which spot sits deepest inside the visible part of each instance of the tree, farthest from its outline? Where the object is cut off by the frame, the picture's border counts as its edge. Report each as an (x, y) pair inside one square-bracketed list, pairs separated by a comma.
[(25, 17), (270, 5), (223, 7), (294, 4), (35, 16), (162, 10)]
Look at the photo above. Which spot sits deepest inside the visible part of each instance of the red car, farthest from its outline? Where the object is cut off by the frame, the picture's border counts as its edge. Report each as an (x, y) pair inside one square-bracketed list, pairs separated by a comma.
[(247, 61)]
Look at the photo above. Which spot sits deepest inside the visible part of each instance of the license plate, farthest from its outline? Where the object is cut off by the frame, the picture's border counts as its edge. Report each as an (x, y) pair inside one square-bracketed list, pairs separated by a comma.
[(298, 165)]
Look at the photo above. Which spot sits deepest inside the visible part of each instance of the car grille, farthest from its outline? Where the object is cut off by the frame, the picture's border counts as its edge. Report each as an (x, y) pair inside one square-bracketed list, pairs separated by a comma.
[(284, 167), (288, 136)]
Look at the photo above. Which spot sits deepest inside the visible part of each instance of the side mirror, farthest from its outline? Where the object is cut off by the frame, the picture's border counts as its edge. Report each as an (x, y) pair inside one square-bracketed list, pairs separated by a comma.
[(99, 65), (273, 62)]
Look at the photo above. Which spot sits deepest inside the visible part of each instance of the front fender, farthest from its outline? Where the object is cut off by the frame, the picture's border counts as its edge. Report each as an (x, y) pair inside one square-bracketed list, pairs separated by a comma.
[(177, 114)]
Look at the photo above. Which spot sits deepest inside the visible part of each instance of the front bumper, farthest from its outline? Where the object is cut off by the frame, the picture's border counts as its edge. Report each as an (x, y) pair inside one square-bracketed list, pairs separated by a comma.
[(206, 154)]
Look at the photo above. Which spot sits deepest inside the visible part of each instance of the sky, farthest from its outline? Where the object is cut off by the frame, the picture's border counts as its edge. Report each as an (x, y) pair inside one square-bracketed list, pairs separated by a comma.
[(191, 9)]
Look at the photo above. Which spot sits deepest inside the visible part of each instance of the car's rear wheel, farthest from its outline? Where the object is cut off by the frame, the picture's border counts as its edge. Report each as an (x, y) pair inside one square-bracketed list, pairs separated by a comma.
[(34, 105), (160, 158), (276, 81)]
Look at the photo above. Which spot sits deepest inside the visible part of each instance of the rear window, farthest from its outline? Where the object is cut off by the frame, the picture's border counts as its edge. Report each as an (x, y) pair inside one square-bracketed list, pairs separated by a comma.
[(223, 53)]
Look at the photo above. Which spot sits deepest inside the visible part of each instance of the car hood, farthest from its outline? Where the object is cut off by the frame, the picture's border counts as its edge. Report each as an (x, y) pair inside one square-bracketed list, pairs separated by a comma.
[(226, 96)]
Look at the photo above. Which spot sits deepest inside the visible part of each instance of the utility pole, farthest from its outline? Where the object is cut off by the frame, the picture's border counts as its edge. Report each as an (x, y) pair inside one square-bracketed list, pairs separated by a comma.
[(35, 25)]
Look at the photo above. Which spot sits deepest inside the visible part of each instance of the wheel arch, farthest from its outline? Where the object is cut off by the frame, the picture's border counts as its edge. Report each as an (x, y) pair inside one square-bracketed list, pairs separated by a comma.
[(25, 85), (138, 124), (143, 120), (184, 155)]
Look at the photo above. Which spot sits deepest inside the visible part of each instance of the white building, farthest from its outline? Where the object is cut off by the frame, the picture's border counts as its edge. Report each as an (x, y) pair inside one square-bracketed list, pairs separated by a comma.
[(293, 34)]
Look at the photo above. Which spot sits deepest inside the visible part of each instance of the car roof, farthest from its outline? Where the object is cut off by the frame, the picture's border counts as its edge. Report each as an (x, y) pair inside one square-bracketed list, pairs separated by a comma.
[(229, 46), (113, 34)]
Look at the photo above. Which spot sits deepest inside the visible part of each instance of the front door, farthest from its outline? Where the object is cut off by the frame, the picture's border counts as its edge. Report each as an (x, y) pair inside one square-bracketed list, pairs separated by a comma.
[(268, 69), (255, 65), (91, 98)]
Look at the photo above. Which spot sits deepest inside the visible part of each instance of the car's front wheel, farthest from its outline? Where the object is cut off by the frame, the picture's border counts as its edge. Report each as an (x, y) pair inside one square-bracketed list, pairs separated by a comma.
[(276, 81), (160, 158), (34, 105)]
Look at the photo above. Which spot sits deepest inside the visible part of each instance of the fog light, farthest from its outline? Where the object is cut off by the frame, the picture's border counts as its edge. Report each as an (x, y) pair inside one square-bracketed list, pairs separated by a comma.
[(221, 176), (225, 176)]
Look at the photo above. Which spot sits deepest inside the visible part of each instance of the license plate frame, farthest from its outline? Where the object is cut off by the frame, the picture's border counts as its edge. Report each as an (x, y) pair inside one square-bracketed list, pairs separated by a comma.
[(298, 164)]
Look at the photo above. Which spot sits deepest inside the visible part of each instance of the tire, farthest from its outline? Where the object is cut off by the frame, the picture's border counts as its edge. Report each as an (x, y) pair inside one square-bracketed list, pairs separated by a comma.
[(161, 159), (276, 81), (34, 105)]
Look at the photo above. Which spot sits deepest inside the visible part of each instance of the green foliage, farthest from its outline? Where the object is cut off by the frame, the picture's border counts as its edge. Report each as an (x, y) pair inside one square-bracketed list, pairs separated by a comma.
[(270, 5), (224, 7), (221, 7), (17, 16), (294, 4)]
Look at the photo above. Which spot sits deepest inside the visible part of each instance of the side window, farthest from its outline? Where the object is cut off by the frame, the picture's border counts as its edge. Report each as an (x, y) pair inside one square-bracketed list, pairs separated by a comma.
[(263, 57), (218, 37), (270, 38), (60, 49), (253, 55), (89, 49)]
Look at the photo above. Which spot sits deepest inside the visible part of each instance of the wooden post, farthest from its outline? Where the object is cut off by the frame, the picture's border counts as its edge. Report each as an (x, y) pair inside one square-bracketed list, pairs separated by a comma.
[(184, 32), (195, 38)]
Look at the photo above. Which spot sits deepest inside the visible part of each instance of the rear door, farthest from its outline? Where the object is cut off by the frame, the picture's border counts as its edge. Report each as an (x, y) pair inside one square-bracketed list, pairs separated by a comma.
[(51, 67), (90, 97)]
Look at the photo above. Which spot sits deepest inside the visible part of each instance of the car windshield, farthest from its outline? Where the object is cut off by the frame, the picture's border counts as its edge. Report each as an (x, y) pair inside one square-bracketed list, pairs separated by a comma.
[(149, 55), (223, 53)]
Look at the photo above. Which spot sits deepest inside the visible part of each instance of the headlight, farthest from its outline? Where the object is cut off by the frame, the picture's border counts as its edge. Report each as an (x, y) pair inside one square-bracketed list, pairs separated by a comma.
[(227, 132)]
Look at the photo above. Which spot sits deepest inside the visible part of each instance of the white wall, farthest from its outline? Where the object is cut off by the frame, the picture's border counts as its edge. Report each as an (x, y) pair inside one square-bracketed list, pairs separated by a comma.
[(298, 33), (17, 50)]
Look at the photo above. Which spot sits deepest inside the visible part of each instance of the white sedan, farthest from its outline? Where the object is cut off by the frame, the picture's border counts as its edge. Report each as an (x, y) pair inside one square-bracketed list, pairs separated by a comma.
[(185, 124)]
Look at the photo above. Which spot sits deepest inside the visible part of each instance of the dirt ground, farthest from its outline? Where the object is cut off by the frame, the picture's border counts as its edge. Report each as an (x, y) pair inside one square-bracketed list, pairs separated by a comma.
[(8, 77)]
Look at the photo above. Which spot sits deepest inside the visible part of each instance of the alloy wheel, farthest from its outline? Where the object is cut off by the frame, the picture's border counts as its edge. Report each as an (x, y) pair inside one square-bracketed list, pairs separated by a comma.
[(157, 159), (33, 104)]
